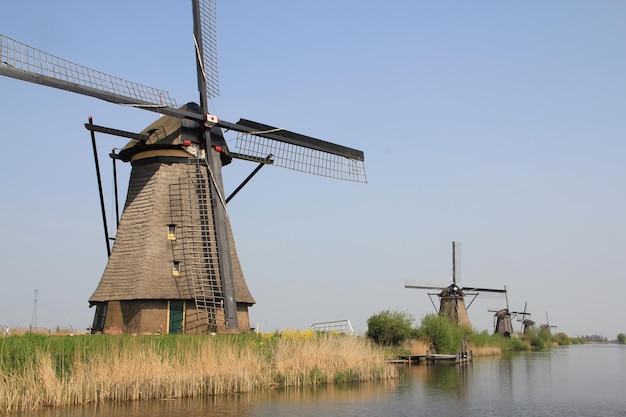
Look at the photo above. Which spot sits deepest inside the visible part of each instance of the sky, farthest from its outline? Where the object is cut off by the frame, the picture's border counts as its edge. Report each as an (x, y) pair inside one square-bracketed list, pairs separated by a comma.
[(497, 124)]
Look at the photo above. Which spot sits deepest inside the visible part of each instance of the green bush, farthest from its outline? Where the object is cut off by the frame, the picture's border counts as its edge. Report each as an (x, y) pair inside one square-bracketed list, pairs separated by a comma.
[(621, 338), (546, 335), (390, 328), (482, 339), (444, 336), (537, 342), (561, 339), (513, 344)]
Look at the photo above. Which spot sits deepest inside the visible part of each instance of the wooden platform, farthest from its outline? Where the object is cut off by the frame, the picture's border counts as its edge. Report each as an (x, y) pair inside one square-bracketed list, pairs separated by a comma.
[(433, 358)]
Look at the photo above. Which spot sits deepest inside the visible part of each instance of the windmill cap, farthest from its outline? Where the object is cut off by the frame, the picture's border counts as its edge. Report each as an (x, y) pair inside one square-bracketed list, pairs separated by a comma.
[(169, 132)]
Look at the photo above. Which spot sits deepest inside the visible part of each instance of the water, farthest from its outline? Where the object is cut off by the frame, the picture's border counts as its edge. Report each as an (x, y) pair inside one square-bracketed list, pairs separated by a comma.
[(583, 380)]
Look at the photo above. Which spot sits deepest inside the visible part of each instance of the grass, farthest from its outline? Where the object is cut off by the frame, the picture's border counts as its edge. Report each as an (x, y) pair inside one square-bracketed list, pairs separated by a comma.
[(38, 371)]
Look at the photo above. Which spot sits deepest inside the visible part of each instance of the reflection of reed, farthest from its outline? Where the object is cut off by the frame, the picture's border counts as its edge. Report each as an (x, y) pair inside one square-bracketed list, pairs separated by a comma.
[(351, 392), (224, 406)]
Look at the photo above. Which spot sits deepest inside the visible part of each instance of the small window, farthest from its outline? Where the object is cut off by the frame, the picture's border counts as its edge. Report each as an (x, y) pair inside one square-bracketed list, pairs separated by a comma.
[(171, 231), (176, 268)]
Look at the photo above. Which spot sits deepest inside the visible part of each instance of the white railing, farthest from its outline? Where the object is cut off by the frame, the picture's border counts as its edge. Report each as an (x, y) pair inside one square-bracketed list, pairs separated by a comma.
[(342, 326)]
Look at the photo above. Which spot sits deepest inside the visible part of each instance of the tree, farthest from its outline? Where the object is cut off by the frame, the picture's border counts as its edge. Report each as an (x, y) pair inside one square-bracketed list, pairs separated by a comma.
[(621, 338), (390, 328)]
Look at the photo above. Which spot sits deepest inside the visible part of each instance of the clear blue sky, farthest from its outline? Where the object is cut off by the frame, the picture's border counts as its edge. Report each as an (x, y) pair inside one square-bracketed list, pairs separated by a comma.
[(500, 124)]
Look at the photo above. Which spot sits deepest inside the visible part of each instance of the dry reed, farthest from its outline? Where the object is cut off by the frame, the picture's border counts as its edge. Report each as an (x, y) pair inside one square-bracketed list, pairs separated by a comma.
[(122, 368), (485, 350)]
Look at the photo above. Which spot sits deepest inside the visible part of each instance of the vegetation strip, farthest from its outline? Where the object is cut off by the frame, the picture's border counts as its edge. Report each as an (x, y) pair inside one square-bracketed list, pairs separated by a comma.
[(38, 371)]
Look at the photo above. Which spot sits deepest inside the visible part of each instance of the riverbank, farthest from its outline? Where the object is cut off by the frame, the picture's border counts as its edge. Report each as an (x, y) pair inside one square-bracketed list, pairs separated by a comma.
[(38, 371)]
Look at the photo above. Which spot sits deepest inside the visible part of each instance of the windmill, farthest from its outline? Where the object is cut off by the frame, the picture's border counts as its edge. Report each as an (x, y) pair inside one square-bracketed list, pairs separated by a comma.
[(547, 326), (174, 267), (502, 318), (452, 297), (528, 325)]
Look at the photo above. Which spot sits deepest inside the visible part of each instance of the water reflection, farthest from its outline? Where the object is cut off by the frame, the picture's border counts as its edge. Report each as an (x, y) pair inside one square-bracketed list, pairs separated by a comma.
[(444, 379), (343, 399)]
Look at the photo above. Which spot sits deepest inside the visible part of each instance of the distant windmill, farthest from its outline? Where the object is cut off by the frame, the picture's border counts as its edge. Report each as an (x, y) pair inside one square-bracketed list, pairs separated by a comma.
[(452, 297), (528, 325), (547, 325), (502, 318)]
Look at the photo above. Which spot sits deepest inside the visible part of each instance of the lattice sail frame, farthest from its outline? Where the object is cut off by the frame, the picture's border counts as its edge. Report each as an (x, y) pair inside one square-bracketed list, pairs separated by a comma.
[(208, 28), (28, 63), (302, 159)]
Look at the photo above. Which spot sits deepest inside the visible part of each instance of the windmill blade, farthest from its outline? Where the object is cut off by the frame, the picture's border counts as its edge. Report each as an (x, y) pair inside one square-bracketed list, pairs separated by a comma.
[(524, 313), (424, 287), (456, 261), (298, 152), (478, 289), (205, 39), (23, 62), (204, 29), (506, 297), (282, 135)]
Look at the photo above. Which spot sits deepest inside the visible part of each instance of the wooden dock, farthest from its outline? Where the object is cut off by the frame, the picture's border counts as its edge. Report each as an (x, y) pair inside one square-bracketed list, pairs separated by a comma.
[(434, 358)]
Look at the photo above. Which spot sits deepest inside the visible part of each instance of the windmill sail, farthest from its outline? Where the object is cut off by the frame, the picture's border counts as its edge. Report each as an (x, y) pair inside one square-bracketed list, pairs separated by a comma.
[(301, 153), (205, 39), (23, 62), (204, 31)]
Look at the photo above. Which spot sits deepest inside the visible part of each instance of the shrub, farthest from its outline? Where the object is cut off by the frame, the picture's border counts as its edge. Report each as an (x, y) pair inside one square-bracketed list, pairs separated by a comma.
[(390, 328), (537, 342), (445, 337), (513, 344), (621, 338), (561, 339), (546, 335)]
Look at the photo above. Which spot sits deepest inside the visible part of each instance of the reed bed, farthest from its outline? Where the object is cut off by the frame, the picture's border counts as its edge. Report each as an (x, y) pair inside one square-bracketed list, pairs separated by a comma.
[(52, 371)]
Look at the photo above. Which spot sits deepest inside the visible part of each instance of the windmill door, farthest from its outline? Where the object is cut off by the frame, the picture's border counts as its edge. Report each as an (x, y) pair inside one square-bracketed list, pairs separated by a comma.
[(176, 316)]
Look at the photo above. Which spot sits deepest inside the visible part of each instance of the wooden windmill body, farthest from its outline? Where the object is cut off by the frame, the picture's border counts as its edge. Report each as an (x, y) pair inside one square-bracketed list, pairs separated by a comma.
[(503, 327), (503, 318), (452, 298), (528, 327), (452, 305), (174, 267)]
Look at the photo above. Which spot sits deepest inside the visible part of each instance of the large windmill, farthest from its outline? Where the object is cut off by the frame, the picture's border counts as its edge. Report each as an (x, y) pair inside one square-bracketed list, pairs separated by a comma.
[(174, 267), (452, 297)]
